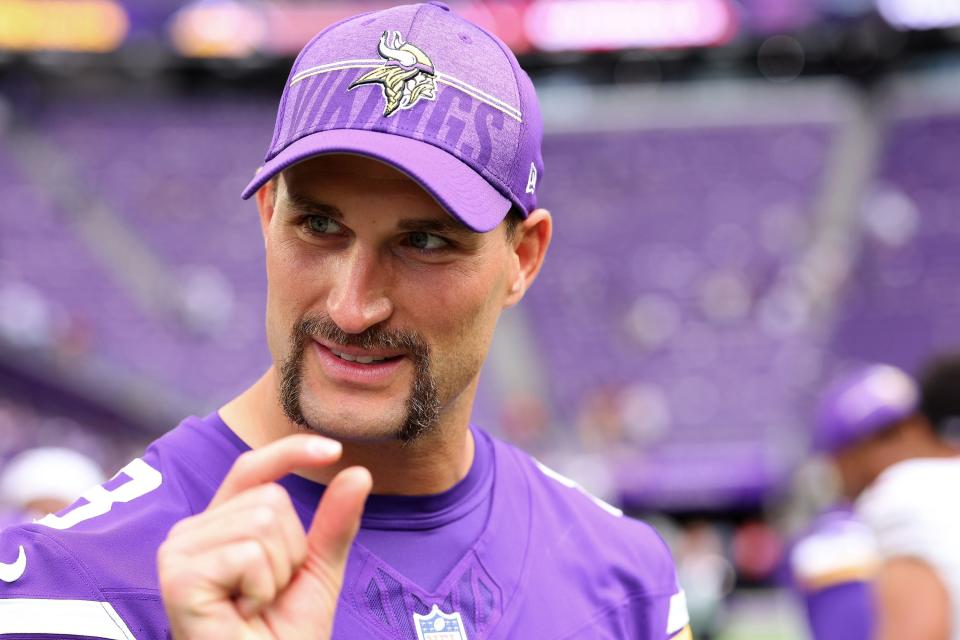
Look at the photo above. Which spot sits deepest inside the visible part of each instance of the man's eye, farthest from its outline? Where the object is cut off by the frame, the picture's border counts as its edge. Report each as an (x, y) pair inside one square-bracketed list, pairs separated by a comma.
[(426, 241), (322, 224)]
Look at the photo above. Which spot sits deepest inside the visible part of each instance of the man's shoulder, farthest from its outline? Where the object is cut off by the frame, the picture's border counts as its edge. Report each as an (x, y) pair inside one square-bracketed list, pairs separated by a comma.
[(556, 495), (109, 536), (94, 563), (107, 539), (89, 569), (912, 486), (582, 528), (615, 573), (911, 509)]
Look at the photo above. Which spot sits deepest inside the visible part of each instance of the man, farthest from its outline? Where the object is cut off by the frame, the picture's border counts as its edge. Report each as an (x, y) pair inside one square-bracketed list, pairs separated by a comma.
[(902, 476), (398, 210)]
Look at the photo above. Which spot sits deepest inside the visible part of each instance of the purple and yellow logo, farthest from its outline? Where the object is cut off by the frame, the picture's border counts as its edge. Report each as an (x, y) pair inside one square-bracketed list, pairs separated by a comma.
[(407, 77)]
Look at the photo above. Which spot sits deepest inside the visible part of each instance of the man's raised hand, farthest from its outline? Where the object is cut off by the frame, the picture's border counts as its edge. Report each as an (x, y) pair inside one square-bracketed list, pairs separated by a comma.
[(244, 568)]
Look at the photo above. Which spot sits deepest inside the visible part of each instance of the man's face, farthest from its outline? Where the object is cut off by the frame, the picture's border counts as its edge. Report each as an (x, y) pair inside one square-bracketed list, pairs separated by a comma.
[(860, 463), (380, 306), (854, 465)]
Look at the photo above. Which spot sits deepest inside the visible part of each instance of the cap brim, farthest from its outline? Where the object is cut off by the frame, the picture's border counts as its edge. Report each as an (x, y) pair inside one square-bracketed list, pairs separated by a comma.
[(464, 193)]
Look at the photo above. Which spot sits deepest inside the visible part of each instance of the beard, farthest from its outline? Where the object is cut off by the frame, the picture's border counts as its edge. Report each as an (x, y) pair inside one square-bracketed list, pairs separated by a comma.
[(422, 405)]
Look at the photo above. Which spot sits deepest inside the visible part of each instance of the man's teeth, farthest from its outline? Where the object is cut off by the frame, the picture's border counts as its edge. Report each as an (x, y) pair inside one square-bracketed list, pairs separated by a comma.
[(360, 359)]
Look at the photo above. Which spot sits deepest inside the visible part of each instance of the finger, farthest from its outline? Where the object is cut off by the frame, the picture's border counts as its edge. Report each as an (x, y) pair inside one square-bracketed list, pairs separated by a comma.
[(262, 512), (255, 584), (193, 583), (275, 460), (271, 521), (335, 524)]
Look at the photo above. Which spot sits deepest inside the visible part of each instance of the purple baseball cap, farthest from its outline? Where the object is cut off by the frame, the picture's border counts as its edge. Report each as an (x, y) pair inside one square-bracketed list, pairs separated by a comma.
[(862, 404), (425, 91)]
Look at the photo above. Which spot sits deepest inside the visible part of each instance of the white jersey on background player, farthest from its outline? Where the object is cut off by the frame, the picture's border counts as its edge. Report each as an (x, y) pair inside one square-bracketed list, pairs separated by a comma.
[(913, 509)]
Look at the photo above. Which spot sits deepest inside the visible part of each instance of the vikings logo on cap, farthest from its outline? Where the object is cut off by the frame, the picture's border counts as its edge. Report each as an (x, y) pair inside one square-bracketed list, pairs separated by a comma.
[(406, 78), (438, 625)]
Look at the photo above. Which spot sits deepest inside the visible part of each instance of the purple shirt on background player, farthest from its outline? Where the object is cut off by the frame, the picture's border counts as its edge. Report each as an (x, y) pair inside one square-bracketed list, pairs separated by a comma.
[(398, 204), (512, 551)]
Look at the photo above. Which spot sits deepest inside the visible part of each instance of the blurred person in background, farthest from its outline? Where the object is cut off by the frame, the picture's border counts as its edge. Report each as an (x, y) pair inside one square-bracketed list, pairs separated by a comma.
[(706, 574), (890, 567), (44, 480), (399, 219)]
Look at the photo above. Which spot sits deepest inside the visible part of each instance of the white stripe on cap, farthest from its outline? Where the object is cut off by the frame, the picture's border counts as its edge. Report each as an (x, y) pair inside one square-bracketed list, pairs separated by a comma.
[(456, 83), (62, 618), (335, 66), (443, 78)]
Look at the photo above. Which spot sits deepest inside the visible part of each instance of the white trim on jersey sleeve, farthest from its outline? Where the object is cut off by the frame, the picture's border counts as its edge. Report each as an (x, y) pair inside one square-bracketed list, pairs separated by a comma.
[(846, 551), (573, 484), (678, 616), (62, 618)]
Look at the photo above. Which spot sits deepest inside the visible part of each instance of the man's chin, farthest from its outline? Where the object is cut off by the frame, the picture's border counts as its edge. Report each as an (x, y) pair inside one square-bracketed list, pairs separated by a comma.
[(356, 427)]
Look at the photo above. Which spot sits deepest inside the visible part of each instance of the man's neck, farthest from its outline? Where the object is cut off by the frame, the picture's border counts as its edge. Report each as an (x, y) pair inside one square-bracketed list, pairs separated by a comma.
[(430, 465), (926, 448)]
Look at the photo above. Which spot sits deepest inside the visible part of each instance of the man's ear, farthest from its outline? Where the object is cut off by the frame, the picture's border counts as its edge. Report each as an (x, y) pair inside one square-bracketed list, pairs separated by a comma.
[(530, 243), (266, 202)]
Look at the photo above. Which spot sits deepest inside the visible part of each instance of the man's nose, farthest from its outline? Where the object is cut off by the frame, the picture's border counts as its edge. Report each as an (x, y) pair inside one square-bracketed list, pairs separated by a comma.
[(358, 299)]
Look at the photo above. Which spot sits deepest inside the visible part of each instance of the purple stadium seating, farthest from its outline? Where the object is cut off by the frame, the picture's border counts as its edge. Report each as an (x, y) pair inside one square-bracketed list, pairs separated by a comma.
[(172, 174), (652, 313), (902, 303)]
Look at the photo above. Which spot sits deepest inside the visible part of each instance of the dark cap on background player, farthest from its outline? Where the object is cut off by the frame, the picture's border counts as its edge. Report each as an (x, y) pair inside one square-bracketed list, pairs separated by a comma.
[(440, 99)]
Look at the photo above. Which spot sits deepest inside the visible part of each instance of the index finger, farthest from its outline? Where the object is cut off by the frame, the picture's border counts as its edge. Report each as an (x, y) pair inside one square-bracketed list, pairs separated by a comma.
[(275, 460)]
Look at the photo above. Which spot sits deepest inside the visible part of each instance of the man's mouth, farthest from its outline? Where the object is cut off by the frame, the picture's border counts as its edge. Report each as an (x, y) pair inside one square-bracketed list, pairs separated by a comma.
[(363, 367), (371, 359), (362, 359)]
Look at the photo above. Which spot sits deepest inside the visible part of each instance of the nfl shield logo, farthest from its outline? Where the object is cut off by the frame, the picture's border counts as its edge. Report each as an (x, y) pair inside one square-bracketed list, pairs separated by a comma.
[(438, 625)]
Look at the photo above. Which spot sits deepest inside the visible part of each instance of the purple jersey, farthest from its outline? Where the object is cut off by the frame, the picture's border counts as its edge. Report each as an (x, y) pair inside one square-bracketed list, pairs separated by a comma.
[(512, 551)]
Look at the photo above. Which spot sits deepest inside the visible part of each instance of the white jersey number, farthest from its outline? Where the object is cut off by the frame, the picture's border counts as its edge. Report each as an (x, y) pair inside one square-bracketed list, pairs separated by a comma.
[(143, 480)]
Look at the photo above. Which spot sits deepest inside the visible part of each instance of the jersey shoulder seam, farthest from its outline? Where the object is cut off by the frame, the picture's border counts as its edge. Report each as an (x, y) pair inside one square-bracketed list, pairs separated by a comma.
[(79, 565), (196, 469), (194, 509)]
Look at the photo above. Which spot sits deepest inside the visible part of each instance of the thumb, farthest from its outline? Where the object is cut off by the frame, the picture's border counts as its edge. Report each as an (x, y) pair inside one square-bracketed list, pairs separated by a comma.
[(335, 525)]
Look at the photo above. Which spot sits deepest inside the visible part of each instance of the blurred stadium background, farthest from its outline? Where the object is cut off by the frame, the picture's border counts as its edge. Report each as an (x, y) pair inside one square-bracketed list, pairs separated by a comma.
[(750, 196)]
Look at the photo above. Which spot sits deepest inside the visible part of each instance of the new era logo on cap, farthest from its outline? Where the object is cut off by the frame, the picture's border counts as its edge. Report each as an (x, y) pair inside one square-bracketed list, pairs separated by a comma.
[(420, 88), (532, 179)]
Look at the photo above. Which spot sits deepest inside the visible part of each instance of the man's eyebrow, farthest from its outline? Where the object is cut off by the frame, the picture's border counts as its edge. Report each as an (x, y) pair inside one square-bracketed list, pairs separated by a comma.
[(305, 204), (447, 226)]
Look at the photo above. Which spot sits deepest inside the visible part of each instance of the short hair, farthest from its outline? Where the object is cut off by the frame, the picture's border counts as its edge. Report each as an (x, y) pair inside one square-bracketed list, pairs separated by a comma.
[(513, 221), (940, 393)]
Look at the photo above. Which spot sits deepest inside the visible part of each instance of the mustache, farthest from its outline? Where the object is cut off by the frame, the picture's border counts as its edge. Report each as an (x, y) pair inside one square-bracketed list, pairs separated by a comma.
[(321, 326), (423, 405)]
